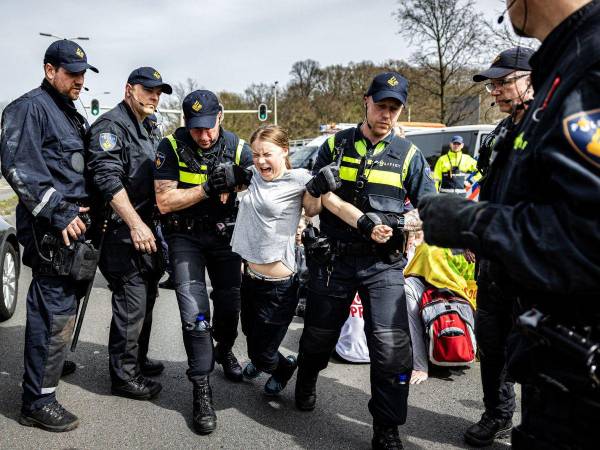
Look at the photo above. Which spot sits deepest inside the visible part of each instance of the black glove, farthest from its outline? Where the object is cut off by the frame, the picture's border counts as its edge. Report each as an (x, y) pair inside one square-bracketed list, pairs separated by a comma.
[(327, 180), (215, 183), (448, 220), (227, 176), (368, 221)]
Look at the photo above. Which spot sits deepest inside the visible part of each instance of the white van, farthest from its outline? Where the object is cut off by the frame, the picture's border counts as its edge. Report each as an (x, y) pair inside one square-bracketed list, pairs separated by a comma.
[(436, 141)]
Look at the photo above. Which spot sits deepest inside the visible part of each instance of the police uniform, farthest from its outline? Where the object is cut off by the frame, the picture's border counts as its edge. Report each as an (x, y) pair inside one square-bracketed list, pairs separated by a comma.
[(42, 152), (494, 318), (377, 178), (120, 155), (541, 226), (454, 170), (198, 238)]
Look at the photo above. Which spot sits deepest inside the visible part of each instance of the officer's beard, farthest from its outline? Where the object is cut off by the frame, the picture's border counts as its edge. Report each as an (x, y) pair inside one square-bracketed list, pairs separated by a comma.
[(520, 31)]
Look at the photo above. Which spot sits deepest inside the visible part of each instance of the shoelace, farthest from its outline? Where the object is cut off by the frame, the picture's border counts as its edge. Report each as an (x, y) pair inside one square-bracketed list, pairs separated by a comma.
[(55, 409)]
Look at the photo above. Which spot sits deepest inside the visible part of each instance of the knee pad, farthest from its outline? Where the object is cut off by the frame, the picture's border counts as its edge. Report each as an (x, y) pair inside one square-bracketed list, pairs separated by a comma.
[(61, 331), (390, 352)]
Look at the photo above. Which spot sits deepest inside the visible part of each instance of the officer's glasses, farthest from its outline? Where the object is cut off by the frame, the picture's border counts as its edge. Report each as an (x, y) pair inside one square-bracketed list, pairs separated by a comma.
[(500, 84)]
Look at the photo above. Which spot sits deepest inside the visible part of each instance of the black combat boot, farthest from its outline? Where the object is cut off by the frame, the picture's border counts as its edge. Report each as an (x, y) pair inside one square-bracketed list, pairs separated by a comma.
[(138, 388), (487, 429), (386, 438), (205, 419), (306, 389), (231, 366), (50, 417)]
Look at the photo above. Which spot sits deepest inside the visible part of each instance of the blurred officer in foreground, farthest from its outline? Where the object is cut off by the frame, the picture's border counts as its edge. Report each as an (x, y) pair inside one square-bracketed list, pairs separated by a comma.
[(508, 81), (378, 171), (120, 160), (452, 169), (540, 225), (197, 222), (43, 160)]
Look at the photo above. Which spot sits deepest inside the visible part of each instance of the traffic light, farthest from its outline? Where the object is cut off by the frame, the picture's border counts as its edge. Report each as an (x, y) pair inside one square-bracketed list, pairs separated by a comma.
[(95, 107), (262, 112)]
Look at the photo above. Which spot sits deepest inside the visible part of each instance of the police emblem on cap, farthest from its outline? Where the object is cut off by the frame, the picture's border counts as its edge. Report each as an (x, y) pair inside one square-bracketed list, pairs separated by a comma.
[(496, 59), (156, 75), (160, 159), (582, 130), (108, 141), (79, 52), (392, 81), (197, 106)]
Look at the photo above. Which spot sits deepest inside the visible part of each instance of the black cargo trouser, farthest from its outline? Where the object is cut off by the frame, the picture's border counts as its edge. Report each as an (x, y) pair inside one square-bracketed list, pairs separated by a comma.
[(51, 311), (190, 256), (134, 290), (267, 310), (493, 323), (381, 289)]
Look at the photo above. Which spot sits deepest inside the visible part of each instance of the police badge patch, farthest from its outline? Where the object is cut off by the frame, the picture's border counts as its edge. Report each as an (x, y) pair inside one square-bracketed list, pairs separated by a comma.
[(159, 160), (582, 130), (108, 141)]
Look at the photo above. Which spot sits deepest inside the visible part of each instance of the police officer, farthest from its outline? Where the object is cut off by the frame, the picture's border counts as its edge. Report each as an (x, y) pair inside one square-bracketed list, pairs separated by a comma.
[(197, 222), (455, 170), (540, 225), (121, 156), (379, 171), (42, 159), (509, 82)]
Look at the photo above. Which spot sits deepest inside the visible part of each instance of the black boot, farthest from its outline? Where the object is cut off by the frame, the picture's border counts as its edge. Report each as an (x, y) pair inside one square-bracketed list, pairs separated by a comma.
[(205, 419), (306, 389), (50, 417), (487, 429), (231, 366), (138, 388), (386, 438), (151, 368)]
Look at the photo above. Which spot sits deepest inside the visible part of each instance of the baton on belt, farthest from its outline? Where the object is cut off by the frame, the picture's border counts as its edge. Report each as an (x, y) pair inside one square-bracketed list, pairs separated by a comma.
[(88, 291)]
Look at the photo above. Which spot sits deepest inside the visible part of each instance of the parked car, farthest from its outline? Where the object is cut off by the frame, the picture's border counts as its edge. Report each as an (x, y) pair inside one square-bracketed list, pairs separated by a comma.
[(10, 266)]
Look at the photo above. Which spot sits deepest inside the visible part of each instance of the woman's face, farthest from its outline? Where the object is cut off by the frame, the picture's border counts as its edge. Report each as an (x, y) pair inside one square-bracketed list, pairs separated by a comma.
[(269, 159)]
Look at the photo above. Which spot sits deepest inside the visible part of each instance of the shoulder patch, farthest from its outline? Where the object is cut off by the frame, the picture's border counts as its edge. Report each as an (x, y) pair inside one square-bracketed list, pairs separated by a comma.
[(582, 130), (107, 141), (159, 160)]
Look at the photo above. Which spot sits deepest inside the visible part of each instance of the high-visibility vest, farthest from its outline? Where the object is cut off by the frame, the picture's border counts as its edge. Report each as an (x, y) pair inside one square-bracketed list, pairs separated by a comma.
[(186, 176)]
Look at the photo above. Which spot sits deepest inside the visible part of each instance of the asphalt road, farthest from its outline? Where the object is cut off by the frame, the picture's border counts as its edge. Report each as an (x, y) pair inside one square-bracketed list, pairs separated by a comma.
[(439, 410)]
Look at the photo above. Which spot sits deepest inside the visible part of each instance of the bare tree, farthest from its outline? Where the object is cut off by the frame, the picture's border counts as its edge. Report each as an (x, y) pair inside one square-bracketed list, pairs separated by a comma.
[(306, 77), (448, 33), (502, 37), (171, 121)]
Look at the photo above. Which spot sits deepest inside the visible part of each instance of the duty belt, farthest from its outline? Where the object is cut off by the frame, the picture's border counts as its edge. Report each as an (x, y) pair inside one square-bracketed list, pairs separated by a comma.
[(354, 248), (184, 224)]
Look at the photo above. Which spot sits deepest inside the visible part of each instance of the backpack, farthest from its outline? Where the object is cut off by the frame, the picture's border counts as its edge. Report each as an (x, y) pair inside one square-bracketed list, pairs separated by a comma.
[(449, 327)]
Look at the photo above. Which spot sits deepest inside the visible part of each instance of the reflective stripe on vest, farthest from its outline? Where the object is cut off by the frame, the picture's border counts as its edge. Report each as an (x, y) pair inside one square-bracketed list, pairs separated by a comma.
[(185, 176), (390, 177)]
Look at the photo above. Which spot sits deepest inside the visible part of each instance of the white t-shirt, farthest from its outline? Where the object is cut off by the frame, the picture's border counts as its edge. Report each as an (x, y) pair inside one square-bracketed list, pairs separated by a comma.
[(268, 217)]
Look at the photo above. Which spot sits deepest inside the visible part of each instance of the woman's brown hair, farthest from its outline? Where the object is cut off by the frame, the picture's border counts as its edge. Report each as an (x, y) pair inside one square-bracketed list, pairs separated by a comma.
[(275, 135)]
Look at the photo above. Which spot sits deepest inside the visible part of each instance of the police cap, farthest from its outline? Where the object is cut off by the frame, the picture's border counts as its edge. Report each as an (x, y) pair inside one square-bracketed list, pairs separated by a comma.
[(389, 85), (68, 55), (200, 109), (508, 61), (150, 78)]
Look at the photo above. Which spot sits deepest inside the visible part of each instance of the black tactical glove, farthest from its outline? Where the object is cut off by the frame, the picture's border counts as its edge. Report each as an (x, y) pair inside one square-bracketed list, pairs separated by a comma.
[(215, 183), (448, 220), (327, 180), (227, 176), (368, 221)]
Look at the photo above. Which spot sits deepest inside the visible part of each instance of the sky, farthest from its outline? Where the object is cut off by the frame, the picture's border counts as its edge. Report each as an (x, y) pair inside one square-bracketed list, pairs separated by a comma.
[(223, 44)]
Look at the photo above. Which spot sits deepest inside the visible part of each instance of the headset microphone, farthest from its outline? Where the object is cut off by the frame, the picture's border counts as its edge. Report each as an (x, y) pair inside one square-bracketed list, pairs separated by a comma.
[(492, 104), (501, 16), (85, 89)]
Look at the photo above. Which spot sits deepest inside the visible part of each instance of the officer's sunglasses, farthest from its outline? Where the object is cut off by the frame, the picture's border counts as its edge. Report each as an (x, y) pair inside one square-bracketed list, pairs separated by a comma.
[(500, 84)]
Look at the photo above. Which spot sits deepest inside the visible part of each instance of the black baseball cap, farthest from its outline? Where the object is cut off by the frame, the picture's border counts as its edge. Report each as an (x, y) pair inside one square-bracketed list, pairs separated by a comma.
[(68, 55), (508, 61), (389, 85), (150, 78), (200, 109)]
